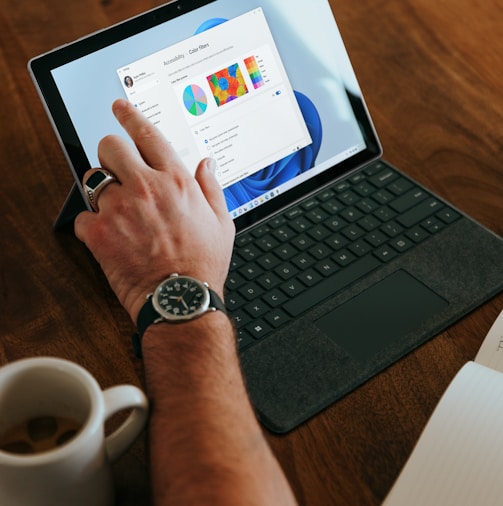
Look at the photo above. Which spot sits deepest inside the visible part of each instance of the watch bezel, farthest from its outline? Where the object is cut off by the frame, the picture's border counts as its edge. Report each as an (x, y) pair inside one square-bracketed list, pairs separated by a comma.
[(165, 315)]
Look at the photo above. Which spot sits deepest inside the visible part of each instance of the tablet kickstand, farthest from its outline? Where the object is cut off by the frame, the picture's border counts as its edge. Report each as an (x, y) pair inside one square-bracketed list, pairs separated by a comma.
[(74, 204)]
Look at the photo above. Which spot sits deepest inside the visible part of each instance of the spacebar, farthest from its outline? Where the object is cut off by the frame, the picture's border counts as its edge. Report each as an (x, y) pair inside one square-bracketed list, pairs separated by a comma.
[(331, 285)]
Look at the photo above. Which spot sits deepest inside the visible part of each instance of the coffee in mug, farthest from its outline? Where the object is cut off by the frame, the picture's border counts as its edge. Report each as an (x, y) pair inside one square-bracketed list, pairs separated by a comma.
[(39, 435)]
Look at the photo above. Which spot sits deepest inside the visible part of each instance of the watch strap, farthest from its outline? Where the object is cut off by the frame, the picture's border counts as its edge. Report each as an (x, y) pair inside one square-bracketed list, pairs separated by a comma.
[(148, 315), (216, 302)]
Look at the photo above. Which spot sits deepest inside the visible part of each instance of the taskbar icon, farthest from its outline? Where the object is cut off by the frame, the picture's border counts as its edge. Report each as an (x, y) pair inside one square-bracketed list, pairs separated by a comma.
[(252, 204)]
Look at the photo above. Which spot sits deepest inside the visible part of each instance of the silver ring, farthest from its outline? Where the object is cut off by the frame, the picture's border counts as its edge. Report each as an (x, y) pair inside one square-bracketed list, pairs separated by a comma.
[(95, 185)]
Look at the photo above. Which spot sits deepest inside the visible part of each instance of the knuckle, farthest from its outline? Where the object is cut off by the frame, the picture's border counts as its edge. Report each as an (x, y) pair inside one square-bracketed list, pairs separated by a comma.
[(146, 133)]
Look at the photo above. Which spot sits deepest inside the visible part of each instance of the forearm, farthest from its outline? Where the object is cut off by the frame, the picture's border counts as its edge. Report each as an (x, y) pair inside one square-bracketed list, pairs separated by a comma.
[(207, 447)]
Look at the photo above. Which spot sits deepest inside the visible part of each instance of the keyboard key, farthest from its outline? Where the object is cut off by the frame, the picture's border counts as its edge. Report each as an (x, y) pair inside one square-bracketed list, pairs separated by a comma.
[(342, 186), (325, 195), (267, 243), (294, 212), (309, 277), (351, 214), (383, 178), (317, 215), (337, 241), (353, 232), (326, 267), (268, 280), (417, 234), (419, 212), (260, 230), (243, 339), (360, 248), (402, 244), (343, 257), (302, 242), (251, 271), (303, 261), (310, 204), (363, 189), (301, 224), (335, 224), (233, 301), (243, 239), (391, 229), (259, 329), (433, 225), (250, 291), (286, 270), (385, 214), (385, 253), (236, 262), (399, 186), (367, 205), (285, 251), (268, 261), (332, 206), (292, 288), (376, 238), (234, 281), (256, 308), (383, 196), (357, 178), (241, 318), (275, 298), (408, 200), (448, 215), (284, 233), (319, 232), (348, 197), (369, 223), (276, 318), (249, 252), (374, 168), (320, 251), (277, 221)]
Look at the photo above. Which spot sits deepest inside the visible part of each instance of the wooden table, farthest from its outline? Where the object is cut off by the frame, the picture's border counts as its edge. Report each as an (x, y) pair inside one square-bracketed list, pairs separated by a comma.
[(432, 74)]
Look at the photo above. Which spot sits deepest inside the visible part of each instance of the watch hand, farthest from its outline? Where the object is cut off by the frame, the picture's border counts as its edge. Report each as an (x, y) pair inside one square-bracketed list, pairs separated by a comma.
[(186, 290)]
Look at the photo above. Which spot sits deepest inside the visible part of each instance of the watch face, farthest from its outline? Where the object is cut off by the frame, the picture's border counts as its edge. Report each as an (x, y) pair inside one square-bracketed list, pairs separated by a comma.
[(181, 298)]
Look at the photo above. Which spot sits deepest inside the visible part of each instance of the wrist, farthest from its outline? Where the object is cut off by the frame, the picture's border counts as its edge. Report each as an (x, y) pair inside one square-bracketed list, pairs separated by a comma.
[(211, 331)]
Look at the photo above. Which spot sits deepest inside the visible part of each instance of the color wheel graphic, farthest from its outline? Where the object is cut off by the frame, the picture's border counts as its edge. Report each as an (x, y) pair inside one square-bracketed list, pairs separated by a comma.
[(195, 100)]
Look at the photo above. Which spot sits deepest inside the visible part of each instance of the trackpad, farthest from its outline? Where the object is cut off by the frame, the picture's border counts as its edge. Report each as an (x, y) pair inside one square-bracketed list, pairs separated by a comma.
[(381, 315)]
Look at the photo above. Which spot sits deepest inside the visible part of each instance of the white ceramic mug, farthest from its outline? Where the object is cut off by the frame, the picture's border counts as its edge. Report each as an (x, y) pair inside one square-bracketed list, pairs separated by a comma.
[(78, 472)]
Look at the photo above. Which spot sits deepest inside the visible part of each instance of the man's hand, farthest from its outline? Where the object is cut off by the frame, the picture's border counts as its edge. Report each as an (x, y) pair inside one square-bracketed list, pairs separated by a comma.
[(159, 219)]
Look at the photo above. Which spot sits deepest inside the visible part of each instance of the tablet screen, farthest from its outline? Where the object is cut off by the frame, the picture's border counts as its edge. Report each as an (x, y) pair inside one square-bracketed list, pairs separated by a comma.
[(264, 87)]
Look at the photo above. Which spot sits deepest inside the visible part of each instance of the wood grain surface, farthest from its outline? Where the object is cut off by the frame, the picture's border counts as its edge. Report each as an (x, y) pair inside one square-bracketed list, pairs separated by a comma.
[(431, 71)]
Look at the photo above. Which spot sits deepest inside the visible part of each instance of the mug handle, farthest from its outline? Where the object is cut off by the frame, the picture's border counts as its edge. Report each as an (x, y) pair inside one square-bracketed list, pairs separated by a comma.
[(116, 399)]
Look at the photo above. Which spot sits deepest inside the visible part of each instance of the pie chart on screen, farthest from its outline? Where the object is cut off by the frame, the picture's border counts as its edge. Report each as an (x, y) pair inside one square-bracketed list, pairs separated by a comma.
[(195, 100)]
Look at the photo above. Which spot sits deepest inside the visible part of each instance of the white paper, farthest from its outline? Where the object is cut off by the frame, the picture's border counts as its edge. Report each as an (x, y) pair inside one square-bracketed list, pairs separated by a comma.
[(458, 459), (491, 351)]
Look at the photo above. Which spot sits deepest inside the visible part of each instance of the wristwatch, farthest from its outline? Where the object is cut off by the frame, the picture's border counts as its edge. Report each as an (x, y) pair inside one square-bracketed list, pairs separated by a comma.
[(176, 299)]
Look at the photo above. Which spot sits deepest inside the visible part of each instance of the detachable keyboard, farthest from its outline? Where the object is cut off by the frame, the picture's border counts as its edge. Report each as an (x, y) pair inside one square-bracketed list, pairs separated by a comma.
[(288, 264)]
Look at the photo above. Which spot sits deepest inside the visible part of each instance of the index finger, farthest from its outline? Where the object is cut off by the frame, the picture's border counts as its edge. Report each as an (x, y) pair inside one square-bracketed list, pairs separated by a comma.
[(152, 145)]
